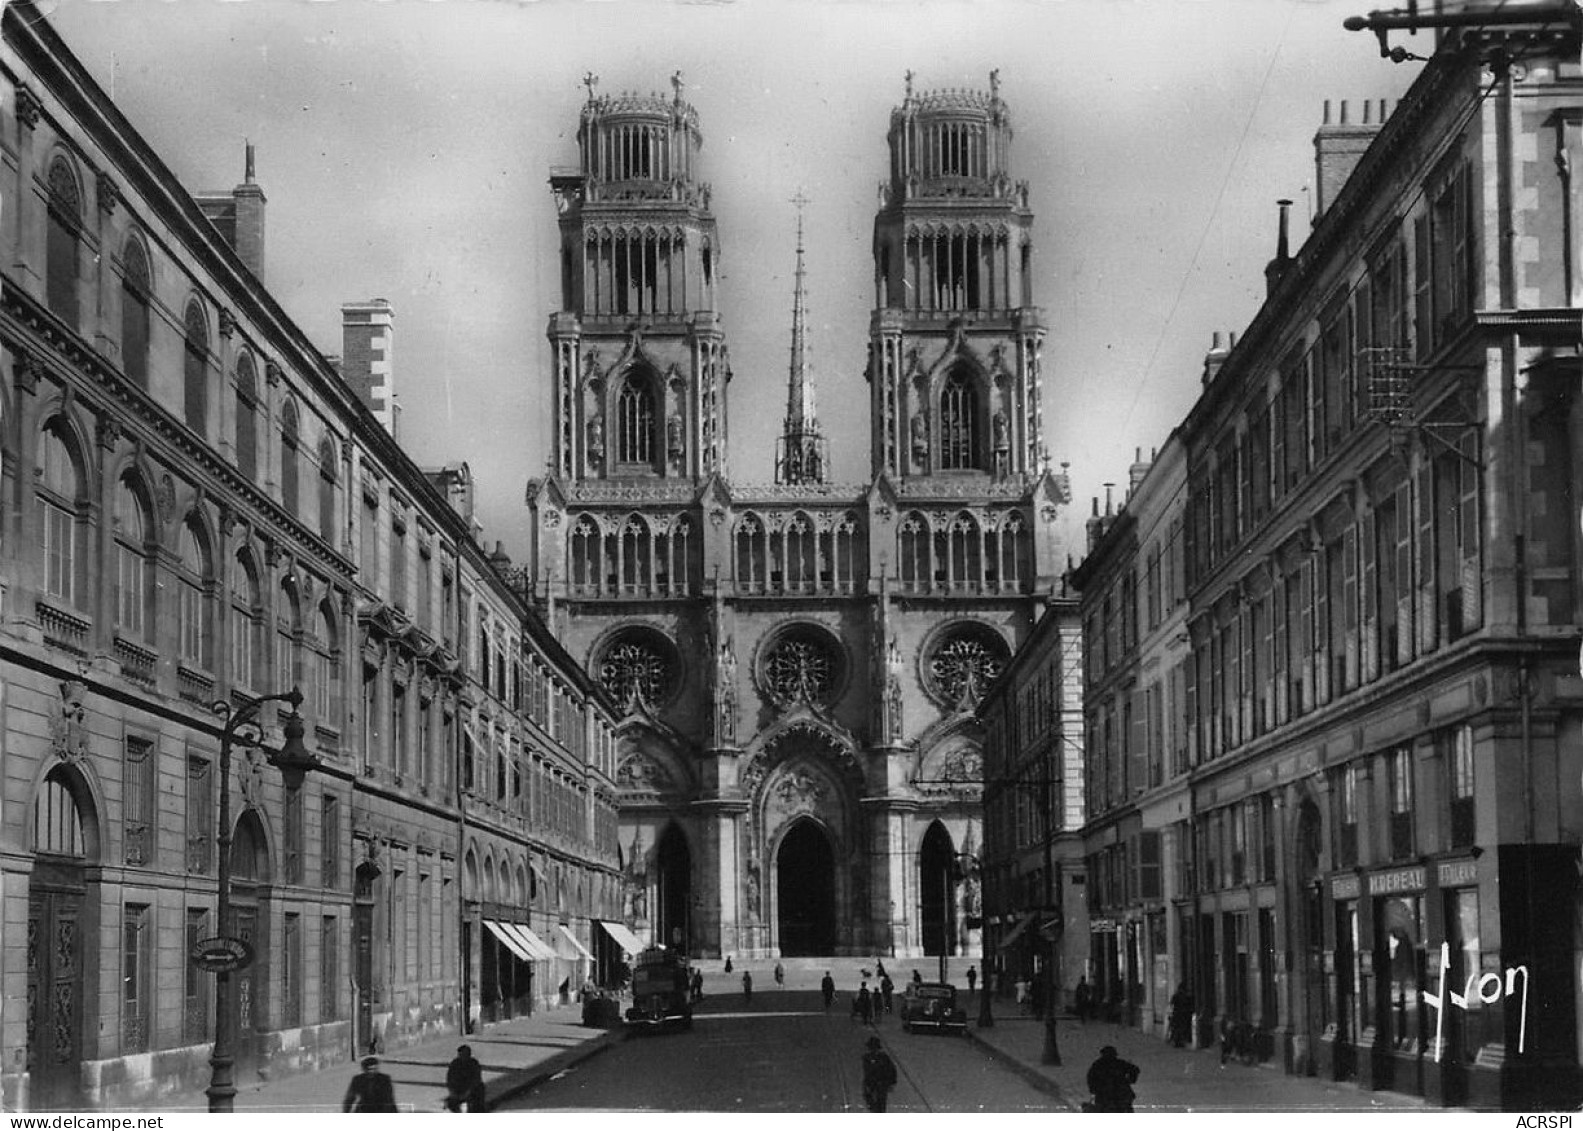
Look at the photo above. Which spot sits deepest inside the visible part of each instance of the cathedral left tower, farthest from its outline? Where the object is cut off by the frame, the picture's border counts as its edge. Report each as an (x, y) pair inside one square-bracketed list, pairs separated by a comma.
[(639, 358)]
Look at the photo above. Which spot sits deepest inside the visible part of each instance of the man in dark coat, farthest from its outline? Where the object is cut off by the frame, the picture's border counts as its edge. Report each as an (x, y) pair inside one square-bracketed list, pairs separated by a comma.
[(887, 991), (1181, 1016), (1110, 1079), (464, 1082), (827, 988), (879, 1075), (370, 1090)]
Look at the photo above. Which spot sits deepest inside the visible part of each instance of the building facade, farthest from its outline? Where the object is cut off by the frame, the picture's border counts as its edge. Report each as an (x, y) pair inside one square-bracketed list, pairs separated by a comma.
[(1376, 866), (799, 660), (199, 512)]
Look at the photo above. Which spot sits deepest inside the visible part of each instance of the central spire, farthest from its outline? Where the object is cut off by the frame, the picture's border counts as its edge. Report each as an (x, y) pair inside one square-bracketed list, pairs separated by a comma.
[(800, 455)]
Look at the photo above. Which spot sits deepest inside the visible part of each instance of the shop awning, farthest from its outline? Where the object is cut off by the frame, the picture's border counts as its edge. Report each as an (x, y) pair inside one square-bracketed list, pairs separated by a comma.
[(1022, 925), (530, 941), (508, 940), (574, 949), (625, 939)]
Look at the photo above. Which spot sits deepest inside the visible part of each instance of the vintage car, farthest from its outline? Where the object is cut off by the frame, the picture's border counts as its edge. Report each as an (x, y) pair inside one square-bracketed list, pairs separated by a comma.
[(660, 997), (932, 1005)]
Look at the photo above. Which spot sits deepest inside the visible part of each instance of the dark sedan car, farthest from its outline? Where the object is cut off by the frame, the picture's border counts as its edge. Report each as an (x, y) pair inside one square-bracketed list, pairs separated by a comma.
[(932, 1005)]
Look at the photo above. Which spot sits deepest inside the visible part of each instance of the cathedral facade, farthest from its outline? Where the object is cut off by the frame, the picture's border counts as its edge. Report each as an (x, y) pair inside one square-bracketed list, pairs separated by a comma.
[(799, 661)]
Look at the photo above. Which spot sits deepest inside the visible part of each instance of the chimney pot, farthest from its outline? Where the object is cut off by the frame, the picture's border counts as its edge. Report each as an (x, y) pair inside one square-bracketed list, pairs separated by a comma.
[(1343, 111)]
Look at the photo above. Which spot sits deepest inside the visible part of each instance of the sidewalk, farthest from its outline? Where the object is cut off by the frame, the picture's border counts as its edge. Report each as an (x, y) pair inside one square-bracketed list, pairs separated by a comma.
[(516, 1055), (1169, 1079)]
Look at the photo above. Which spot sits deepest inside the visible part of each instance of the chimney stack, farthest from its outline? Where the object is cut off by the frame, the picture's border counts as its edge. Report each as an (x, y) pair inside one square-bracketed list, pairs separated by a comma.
[(238, 215), (1337, 150), (367, 361), (1095, 526), (1136, 473), (1216, 357), (1275, 268)]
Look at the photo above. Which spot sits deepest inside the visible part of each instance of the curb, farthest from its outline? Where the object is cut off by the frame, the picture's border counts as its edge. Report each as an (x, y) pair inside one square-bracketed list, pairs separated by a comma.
[(512, 1084), (1027, 1071)]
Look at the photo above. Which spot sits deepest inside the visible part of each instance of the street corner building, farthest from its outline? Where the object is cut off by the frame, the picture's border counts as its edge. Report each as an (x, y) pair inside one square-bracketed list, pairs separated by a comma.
[(799, 661), (202, 513), (1332, 698)]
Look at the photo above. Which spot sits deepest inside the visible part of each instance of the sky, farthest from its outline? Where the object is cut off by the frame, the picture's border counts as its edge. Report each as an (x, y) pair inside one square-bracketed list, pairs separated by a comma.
[(405, 148)]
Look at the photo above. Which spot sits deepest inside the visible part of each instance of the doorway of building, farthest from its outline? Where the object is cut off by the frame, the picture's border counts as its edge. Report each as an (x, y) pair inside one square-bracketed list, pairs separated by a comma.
[(805, 891), (250, 923), (674, 890), (363, 952), (65, 843), (937, 891)]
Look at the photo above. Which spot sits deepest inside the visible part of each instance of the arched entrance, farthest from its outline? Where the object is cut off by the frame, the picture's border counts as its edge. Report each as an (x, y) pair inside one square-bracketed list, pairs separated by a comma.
[(673, 894), (805, 890), (937, 891), (60, 917), (250, 923)]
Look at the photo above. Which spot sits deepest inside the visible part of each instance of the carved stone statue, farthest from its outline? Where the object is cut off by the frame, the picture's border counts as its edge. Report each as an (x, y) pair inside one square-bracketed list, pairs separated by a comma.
[(920, 438), (1002, 432), (596, 437), (673, 437)]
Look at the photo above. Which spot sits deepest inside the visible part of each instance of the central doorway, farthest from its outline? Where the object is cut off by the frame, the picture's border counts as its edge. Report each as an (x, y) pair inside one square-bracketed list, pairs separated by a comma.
[(937, 891), (805, 891), (673, 891)]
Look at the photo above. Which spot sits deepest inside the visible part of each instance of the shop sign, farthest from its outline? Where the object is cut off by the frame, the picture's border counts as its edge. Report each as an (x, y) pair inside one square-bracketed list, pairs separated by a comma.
[(1455, 873), (220, 954), (1344, 887), (1402, 879), (1102, 926)]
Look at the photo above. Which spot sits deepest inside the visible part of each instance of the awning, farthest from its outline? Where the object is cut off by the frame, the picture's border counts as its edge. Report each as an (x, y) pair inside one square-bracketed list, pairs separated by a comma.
[(625, 939), (530, 941), (578, 950), (509, 940), (1022, 925)]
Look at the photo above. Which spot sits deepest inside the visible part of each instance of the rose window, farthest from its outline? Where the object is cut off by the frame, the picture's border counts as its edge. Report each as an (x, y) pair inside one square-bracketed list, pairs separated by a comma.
[(638, 666), (801, 668), (964, 664)]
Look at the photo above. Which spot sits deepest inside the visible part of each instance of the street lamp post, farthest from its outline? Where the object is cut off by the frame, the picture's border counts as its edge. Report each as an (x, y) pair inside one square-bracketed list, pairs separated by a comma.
[(986, 1019), (294, 761)]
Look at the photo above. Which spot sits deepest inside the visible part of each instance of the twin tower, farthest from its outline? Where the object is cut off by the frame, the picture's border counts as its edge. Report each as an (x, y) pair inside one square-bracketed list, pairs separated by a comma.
[(799, 660)]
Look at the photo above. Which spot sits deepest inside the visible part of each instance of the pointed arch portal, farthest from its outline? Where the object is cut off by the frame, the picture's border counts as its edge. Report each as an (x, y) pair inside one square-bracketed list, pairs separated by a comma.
[(937, 891), (674, 895), (805, 890)]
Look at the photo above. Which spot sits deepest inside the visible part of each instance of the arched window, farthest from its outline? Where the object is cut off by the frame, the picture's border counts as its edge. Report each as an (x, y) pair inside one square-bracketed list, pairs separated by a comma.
[(246, 418), (801, 554), (131, 561), (636, 555), (194, 577), (965, 560), (57, 821), (195, 370), (247, 622), (327, 687), (136, 287), (327, 480), (751, 567), (288, 457), (635, 421), (60, 242), (587, 573), (958, 423), (913, 550), (60, 507), (288, 634)]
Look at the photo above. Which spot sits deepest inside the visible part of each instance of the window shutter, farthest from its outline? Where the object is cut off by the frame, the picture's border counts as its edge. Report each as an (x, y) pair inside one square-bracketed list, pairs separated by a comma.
[(1471, 535), (1423, 306), (1322, 644), (1278, 443), (1149, 886), (1305, 634), (1264, 703), (1349, 590), (1190, 699), (1245, 670), (1464, 280), (1371, 613), (1424, 498), (1404, 571), (1278, 673), (1137, 742)]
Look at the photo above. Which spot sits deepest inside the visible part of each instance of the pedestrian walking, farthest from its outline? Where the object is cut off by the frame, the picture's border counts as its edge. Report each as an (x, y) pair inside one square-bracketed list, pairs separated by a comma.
[(747, 986), (698, 984), (879, 967), (370, 1090), (827, 988), (728, 964), (1022, 995), (917, 978), (972, 978), (464, 1082), (863, 1005), (1110, 1079), (879, 1075), (780, 976), (887, 989), (1083, 997), (1181, 1016)]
